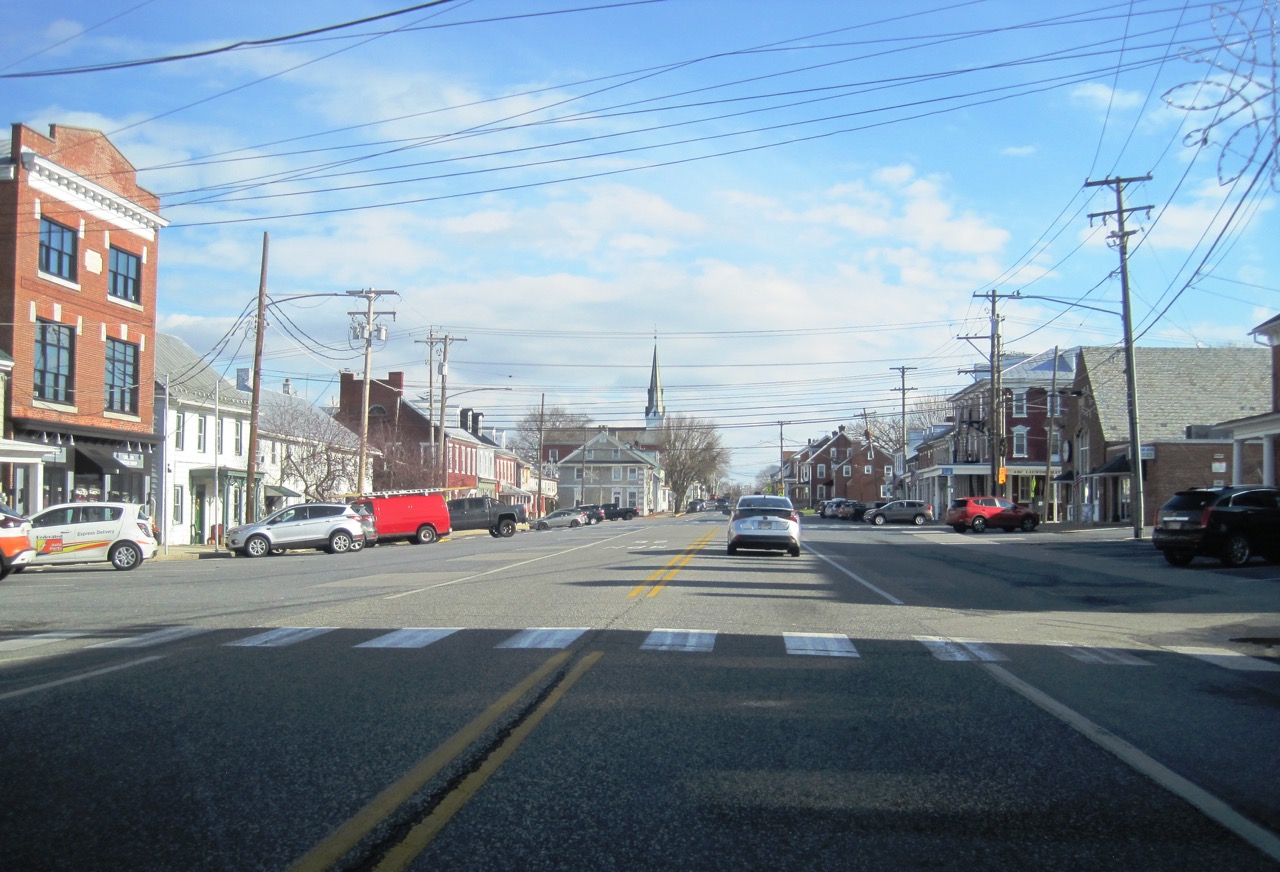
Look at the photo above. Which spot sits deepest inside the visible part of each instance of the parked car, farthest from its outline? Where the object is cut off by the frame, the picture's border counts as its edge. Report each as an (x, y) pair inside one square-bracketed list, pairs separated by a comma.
[(562, 518), (486, 513), (119, 533), (594, 513), (368, 525), (332, 527), (1229, 523), (830, 508), (16, 547), (695, 506), (767, 523), (915, 512), (852, 510), (979, 513), (421, 518)]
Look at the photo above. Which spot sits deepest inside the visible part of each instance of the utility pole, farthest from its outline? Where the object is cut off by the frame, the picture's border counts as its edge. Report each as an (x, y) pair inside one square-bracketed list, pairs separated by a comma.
[(431, 342), (251, 471), (902, 371), (782, 476), (542, 426), (443, 464), (368, 333), (996, 428), (1121, 236), (1048, 439)]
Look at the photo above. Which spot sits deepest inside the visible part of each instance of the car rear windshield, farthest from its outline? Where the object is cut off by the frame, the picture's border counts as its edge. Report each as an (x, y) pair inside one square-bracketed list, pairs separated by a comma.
[(1191, 500), (763, 512)]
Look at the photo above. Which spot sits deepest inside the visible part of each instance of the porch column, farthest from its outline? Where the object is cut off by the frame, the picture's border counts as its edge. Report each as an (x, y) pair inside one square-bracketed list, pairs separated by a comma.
[(1237, 461), (1269, 460)]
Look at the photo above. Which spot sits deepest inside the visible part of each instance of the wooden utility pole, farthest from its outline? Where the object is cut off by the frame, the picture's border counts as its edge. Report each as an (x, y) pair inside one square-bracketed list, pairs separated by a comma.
[(902, 371), (996, 425), (444, 376), (1121, 236), (251, 468)]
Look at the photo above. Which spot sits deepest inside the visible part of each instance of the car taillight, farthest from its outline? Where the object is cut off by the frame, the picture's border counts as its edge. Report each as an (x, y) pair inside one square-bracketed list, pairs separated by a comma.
[(793, 518), (1204, 516), (145, 528)]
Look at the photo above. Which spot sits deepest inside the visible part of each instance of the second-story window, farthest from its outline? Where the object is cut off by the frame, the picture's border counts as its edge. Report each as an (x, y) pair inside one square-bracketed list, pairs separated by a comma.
[(54, 365), (122, 377), (179, 431), (125, 278), (217, 436), (202, 439), (1019, 404), (822, 470), (57, 250), (1020, 442), (239, 438)]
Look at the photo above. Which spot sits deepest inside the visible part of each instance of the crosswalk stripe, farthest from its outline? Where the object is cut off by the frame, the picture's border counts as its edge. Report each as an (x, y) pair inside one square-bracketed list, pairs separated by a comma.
[(820, 644), (544, 637), (700, 641), (280, 637), (1227, 659), (956, 650), (410, 637), (41, 639), (158, 637), (1107, 656)]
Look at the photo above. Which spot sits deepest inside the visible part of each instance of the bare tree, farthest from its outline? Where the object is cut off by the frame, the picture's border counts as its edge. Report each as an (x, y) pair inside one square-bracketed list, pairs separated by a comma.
[(319, 453), (556, 425), (885, 428), (691, 453)]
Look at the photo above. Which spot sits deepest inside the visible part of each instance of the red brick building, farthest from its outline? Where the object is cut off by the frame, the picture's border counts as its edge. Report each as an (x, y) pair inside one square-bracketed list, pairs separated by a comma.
[(79, 247)]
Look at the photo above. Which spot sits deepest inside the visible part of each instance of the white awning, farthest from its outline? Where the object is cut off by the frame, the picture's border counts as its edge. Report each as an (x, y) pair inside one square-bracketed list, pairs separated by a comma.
[(13, 451)]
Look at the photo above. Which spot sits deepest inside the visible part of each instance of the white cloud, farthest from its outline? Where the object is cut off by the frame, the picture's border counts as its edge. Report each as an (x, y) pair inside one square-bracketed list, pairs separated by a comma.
[(1097, 96)]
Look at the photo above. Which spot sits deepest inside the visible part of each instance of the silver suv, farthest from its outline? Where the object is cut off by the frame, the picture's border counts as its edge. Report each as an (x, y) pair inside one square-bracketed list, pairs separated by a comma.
[(332, 527), (915, 512)]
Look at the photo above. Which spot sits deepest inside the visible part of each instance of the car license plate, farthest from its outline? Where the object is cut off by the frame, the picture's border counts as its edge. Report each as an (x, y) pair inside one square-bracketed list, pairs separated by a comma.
[(764, 525)]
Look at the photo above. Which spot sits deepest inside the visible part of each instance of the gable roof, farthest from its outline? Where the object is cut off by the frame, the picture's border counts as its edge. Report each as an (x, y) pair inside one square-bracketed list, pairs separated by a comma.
[(602, 439), (1176, 387)]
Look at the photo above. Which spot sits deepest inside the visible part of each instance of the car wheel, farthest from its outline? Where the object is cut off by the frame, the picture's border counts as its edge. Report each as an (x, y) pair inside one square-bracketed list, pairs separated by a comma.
[(1236, 551), (629, 516), (124, 555), (541, 525), (357, 545), (918, 520), (959, 528), (340, 542), (507, 528), (257, 546), (1178, 558), (877, 519), (731, 549), (1028, 524), (575, 523), (978, 524), (426, 535), (794, 550)]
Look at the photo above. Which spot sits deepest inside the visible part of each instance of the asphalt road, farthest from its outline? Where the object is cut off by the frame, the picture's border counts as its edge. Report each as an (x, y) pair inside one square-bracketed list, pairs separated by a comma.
[(629, 697)]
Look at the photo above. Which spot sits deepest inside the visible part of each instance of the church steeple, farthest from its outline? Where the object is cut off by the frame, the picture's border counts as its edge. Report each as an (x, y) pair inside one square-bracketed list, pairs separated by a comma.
[(656, 411)]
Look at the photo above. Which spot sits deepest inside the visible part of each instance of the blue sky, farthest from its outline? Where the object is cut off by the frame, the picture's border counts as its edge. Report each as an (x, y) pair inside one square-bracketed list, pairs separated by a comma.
[(794, 198)]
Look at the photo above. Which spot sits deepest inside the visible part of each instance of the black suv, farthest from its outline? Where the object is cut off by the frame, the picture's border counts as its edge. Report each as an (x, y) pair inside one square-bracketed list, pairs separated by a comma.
[(1229, 523)]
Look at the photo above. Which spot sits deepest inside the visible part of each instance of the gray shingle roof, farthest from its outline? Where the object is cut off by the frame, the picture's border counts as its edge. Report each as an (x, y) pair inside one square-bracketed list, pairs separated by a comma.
[(1177, 387)]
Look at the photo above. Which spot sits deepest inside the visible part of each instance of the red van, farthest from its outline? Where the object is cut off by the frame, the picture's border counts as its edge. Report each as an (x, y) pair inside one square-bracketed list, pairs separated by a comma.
[(421, 518)]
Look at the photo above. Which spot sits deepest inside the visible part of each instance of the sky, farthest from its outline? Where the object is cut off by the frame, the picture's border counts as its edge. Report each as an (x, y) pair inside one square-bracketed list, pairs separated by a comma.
[(790, 201)]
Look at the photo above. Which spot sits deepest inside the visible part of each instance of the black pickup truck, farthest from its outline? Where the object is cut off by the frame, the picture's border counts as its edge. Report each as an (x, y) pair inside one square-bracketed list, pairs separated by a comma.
[(615, 512), (485, 513)]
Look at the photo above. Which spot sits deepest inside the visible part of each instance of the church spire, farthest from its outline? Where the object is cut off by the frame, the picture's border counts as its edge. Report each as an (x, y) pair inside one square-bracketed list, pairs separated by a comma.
[(656, 410)]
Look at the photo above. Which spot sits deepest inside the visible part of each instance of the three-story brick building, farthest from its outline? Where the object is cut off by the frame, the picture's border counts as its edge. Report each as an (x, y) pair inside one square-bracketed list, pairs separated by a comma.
[(78, 255)]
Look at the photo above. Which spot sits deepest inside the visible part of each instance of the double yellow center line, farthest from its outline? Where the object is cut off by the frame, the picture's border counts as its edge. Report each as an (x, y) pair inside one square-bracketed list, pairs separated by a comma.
[(659, 578)]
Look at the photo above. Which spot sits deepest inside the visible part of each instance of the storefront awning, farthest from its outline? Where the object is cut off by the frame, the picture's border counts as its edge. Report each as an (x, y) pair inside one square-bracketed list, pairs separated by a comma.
[(13, 451), (279, 490), (1118, 465), (105, 457)]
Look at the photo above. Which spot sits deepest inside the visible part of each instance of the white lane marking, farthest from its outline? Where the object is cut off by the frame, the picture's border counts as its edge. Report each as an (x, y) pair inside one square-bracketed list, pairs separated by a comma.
[(1226, 658), (16, 693), (280, 637), (497, 569), (958, 650), (699, 641), (1107, 656), (1213, 807), (544, 637), (159, 637), (410, 637), (820, 644), (41, 639), (859, 579)]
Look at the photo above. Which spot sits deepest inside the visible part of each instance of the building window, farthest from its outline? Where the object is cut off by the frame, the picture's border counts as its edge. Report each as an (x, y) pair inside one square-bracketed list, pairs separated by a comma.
[(1055, 449), (57, 250), (1020, 442), (866, 470), (888, 472), (179, 431), (633, 473), (617, 473), (847, 471), (1019, 404), (553, 455), (202, 442), (125, 279), (122, 377), (822, 470), (1055, 405), (577, 473), (217, 436), (239, 438), (177, 504), (55, 363)]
